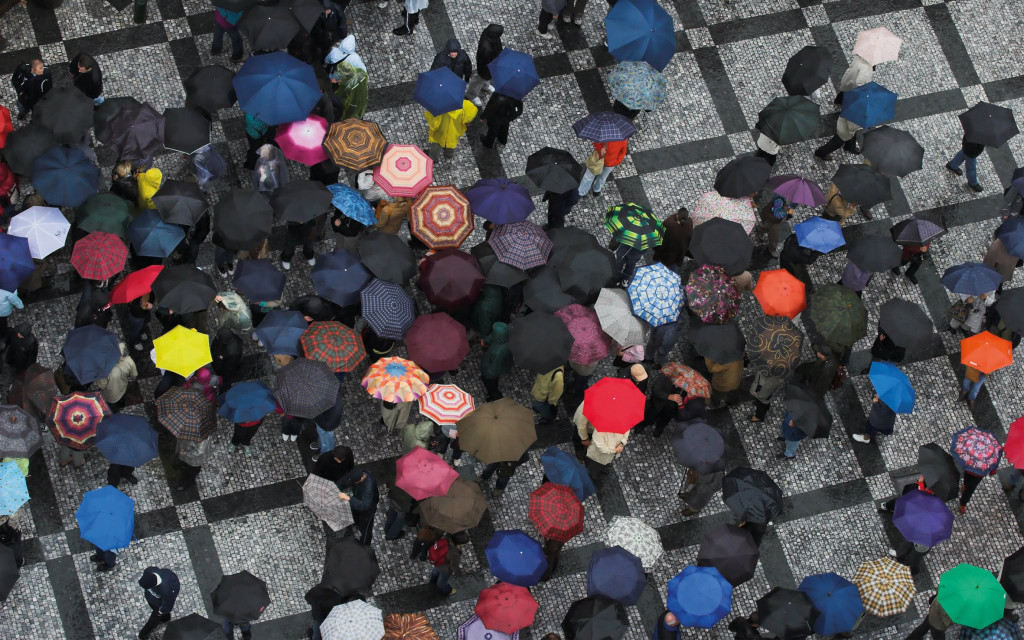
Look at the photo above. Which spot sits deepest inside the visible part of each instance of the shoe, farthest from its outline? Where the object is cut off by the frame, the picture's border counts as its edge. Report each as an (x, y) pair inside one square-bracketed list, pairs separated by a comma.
[(688, 513), (895, 271), (546, 36), (22, 116), (382, 5), (215, 53), (222, 273), (311, 262), (970, 404), (976, 188), (866, 213), (234, 59), (284, 436), (231, 448), (65, 463), (783, 456), (132, 479), (457, 462), (96, 557), (483, 141), (401, 31), (822, 156), (231, 271), (860, 437), (892, 552), (753, 418), (314, 446), (286, 265), (143, 336), (451, 593), (401, 534), (498, 492), (780, 439), (595, 194), (957, 170), (138, 346), (962, 396), (913, 279), (315, 457), (293, 438), (180, 487), (963, 509), (248, 451), (478, 102), (103, 568)]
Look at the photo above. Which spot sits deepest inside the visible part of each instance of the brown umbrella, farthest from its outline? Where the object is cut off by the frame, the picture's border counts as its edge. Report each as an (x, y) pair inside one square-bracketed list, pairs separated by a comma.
[(459, 509), (408, 626), (497, 431), (355, 144), (34, 391), (187, 414)]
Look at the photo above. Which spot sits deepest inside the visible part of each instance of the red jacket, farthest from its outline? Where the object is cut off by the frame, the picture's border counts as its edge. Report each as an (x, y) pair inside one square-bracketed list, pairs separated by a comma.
[(7, 179), (614, 152)]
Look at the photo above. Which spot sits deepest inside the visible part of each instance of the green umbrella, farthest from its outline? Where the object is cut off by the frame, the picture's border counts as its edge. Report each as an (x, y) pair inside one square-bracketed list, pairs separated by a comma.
[(105, 212), (634, 226), (971, 596), (837, 314), (789, 119)]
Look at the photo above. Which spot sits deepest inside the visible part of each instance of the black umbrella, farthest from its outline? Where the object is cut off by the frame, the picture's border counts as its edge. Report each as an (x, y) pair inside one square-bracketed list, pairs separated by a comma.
[(136, 132), (300, 201), (387, 257), (565, 238), (988, 124), (742, 176), (184, 288), (724, 243), (240, 597), (26, 144), (234, 5), (906, 324), (874, 253), (1012, 575), (941, 475), (269, 26), (306, 12), (1010, 306), (209, 88), (8, 572), (919, 230), (808, 410), (751, 494), (731, 550), (894, 152), (718, 342), (807, 70), (65, 111), (186, 130), (242, 220), (497, 272), (543, 292), (305, 388), (786, 613), (193, 627), (595, 618), (110, 107), (540, 342), (350, 567), (554, 170), (699, 446), (180, 202), (862, 184), (584, 270)]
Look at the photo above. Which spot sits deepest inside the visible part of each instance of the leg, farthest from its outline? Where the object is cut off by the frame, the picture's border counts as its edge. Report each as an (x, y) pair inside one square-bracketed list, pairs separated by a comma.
[(236, 44), (824, 150), (476, 83), (545, 412), (501, 482), (975, 388), (154, 620), (443, 587), (920, 631), (114, 475), (545, 20), (449, 153), (489, 137), (761, 409), (957, 160), (503, 134), (394, 522), (915, 264), (791, 447), (489, 471), (434, 151), (600, 179), (586, 182), (971, 165), (326, 440), (971, 483), (217, 44), (288, 248), (491, 387)]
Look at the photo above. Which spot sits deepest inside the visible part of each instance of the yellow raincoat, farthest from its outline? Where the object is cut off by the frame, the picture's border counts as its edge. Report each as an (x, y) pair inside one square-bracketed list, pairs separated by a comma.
[(447, 128), (149, 184)]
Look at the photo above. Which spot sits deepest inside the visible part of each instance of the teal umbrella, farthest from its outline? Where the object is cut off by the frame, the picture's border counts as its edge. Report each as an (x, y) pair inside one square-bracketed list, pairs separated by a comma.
[(789, 119)]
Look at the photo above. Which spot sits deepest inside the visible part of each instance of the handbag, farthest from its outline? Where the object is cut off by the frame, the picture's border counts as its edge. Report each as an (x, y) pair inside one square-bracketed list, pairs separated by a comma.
[(839, 378), (595, 162), (959, 311)]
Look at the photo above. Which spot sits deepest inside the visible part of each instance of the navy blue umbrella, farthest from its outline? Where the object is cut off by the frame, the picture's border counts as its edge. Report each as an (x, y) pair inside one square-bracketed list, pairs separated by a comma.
[(869, 105), (516, 558), (604, 126), (258, 280), (339, 276), (564, 469), (151, 236), (500, 200), (641, 30), (513, 74), (281, 331), (276, 88), (91, 352), (837, 599), (126, 439), (65, 176), (246, 402), (439, 91), (971, 278), (388, 308), (699, 446), (15, 261), (1011, 233), (617, 574)]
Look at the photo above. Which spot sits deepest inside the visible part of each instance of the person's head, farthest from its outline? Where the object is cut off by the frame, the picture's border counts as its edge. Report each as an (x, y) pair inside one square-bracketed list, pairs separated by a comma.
[(342, 453), (23, 330), (34, 200), (671, 620), (85, 63), (37, 66), (460, 538), (149, 578), (552, 636), (683, 213), (124, 169), (453, 54), (638, 372)]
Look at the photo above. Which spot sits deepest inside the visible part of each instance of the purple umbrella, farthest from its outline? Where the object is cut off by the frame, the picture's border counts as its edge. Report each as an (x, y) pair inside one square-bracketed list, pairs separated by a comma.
[(500, 200), (797, 189), (923, 518), (523, 245)]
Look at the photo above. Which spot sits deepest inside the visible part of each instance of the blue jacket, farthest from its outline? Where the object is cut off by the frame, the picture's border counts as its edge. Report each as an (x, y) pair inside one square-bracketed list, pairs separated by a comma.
[(364, 495), (792, 434), (9, 302), (161, 597)]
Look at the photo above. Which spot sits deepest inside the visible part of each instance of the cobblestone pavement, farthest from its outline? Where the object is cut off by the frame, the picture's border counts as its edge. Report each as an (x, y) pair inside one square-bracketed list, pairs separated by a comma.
[(246, 513)]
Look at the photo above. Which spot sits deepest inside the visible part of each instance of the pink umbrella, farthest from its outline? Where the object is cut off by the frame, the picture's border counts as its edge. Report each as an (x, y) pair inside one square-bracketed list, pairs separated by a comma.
[(423, 474), (404, 170), (302, 141), (592, 343)]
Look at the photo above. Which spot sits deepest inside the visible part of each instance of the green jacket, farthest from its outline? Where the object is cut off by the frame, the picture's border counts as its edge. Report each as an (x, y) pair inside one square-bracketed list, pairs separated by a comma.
[(416, 435), (487, 308), (353, 89), (497, 357), (548, 387)]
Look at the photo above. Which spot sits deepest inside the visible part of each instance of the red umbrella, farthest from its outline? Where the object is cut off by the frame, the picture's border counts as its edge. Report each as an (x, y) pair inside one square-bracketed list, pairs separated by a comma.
[(556, 512), (1014, 447), (99, 255), (614, 405), (135, 285), (423, 474), (451, 279), (437, 342), (780, 293), (592, 343), (506, 608)]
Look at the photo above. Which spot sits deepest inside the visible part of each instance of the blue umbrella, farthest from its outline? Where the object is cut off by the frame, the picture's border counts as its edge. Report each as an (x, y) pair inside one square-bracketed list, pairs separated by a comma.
[(387, 308), (276, 88), (439, 91), (892, 386), (820, 234), (281, 331), (500, 200), (15, 261), (564, 469), (91, 352), (869, 105), (603, 126), (1001, 629), (106, 518), (699, 596), (339, 276), (617, 574), (348, 201), (13, 490), (656, 294), (637, 85), (971, 279), (923, 518), (516, 558), (513, 74), (151, 236), (641, 30), (259, 280), (126, 439), (246, 402), (1011, 233), (64, 176), (837, 599)]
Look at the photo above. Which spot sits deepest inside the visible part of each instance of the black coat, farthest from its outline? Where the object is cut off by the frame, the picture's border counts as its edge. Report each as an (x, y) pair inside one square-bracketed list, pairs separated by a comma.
[(127, 188), (161, 597), (887, 350), (460, 65), (91, 82), (488, 49), (559, 204), (227, 354), (315, 307), (22, 352), (31, 87), (502, 110)]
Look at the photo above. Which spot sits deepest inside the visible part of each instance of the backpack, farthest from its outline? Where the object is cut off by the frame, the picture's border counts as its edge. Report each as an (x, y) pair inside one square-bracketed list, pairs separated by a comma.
[(22, 74), (438, 552)]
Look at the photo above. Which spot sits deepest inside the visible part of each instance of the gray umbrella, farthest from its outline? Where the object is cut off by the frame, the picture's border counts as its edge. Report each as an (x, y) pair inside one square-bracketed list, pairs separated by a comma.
[(19, 433)]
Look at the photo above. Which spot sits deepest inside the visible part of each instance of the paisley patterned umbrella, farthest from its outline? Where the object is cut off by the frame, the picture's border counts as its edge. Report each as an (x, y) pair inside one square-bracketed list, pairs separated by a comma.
[(976, 450), (73, 418), (634, 225), (656, 294), (773, 345), (714, 205), (712, 295), (687, 379), (395, 380), (637, 537), (441, 218), (591, 342), (637, 85)]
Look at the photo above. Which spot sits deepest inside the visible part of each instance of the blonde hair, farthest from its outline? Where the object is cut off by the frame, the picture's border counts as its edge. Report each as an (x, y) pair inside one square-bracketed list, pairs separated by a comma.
[(123, 169)]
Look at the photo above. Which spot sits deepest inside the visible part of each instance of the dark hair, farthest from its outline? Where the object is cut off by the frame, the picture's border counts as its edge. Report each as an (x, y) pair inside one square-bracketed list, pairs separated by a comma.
[(86, 61), (552, 636), (683, 213), (460, 537)]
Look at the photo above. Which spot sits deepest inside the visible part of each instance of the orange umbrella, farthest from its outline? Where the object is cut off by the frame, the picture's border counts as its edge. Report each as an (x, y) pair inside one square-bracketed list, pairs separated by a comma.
[(355, 144), (986, 352), (404, 170), (408, 626), (441, 218), (780, 293)]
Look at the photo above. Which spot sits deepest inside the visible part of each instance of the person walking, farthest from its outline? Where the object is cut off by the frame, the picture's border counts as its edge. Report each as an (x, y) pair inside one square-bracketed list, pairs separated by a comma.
[(87, 77), (559, 206), (410, 16), (22, 348), (1001, 260), (445, 555), (967, 156), (663, 339), (225, 21), (552, 553), (667, 627), (487, 49), (118, 472), (549, 10), (496, 359), (913, 256), (115, 385), (795, 259), (971, 386), (362, 499), (968, 313), (455, 58), (698, 489), (602, 448), (394, 415), (547, 391), (445, 130), (725, 378), (881, 420), (305, 233), (971, 482), (243, 434), (505, 471), (675, 239), (31, 82), (573, 11), (160, 587), (791, 436), (934, 624), (105, 560), (606, 156), (500, 112), (192, 456), (763, 388), (400, 507), (664, 403), (854, 278), (883, 349)]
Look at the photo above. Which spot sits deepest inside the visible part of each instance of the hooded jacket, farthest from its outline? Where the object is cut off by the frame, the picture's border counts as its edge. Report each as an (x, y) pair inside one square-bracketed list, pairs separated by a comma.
[(497, 358), (149, 183), (22, 347), (114, 386), (460, 65), (447, 128), (488, 49), (346, 50)]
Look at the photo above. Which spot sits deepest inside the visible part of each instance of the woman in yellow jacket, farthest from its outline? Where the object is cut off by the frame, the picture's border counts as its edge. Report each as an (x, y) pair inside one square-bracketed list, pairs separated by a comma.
[(149, 183), (447, 128)]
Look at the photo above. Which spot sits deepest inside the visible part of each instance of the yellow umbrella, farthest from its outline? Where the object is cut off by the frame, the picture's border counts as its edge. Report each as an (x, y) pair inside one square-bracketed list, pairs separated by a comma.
[(182, 350)]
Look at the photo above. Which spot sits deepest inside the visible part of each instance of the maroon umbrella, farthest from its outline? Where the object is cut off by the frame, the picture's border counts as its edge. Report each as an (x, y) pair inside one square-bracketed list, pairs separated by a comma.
[(592, 343), (34, 390), (437, 342), (451, 279)]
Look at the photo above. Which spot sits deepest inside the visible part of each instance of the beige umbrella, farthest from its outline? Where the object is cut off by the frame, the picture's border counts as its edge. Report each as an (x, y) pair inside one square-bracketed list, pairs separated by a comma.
[(498, 431), (459, 509), (878, 45)]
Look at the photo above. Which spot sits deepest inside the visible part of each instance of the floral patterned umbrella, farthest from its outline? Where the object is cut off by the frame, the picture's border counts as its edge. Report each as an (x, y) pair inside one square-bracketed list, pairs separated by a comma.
[(714, 205), (637, 85), (634, 225), (441, 218), (73, 418), (712, 295), (395, 380), (637, 537), (591, 342), (523, 245), (656, 294), (773, 345), (687, 379), (976, 450)]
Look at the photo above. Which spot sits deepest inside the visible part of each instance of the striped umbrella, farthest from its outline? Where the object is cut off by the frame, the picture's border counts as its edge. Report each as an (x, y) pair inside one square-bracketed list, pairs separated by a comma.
[(404, 170), (441, 218), (523, 245), (99, 256), (333, 343), (634, 225), (395, 380), (446, 403), (355, 144), (885, 586), (388, 308), (187, 414), (73, 418)]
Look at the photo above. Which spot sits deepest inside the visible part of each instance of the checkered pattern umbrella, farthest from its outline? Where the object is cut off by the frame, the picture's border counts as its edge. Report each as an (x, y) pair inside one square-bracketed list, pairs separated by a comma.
[(404, 170), (714, 205), (305, 388), (712, 294), (446, 403), (556, 512), (408, 626), (321, 496), (687, 379), (590, 343), (335, 344), (19, 432), (617, 319), (395, 380), (634, 225), (1002, 629), (977, 451), (99, 255), (656, 294), (523, 245), (187, 414), (885, 586), (388, 308), (637, 85), (73, 418), (355, 144), (13, 490), (604, 126), (441, 218), (637, 537)]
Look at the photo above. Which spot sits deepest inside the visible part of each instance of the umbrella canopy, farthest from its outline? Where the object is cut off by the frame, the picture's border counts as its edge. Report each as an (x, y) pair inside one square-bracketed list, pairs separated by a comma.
[(892, 386), (865, 185), (731, 550), (353, 205), (869, 105), (556, 512), (699, 597), (1010, 306), (276, 88), (242, 220), (150, 236), (15, 261), (281, 331), (780, 293), (499, 199), (971, 596), (246, 402), (240, 596), (67, 112), (1010, 232), (333, 343), (986, 352), (807, 70), (441, 218), (583, 270), (404, 170), (355, 144), (637, 537), (542, 292), (1002, 629), (339, 276), (439, 90), (99, 256), (838, 314), (971, 279), (941, 475), (923, 518), (105, 112), (19, 432), (446, 403), (712, 295), (301, 201), (387, 308), (700, 447), (718, 342), (787, 613), (595, 618), (349, 567), (516, 558), (496, 272), (540, 342), (321, 496), (408, 626), (209, 88), (187, 130), (877, 45), (387, 256), (135, 132), (513, 73), (305, 388), (423, 474), (475, 629), (808, 410), (604, 126), (498, 431), (258, 280), (837, 599), (1012, 574), (459, 509), (564, 469), (975, 450), (187, 414), (504, 608), (617, 574), (797, 189), (553, 170), (354, 620), (988, 124), (193, 626), (29, 142), (182, 350), (905, 323), (451, 279), (617, 319), (723, 243), (1013, 448), (523, 245), (637, 85), (742, 176), (885, 586), (91, 352), (13, 490), (437, 342), (45, 228), (590, 342), (73, 418), (819, 234), (687, 379), (33, 391), (126, 439), (786, 119), (874, 253), (916, 231), (302, 141), (395, 380), (634, 225), (892, 151), (614, 405), (269, 26), (65, 176), (106, 518), (751, 494), (183, 289), (180, 202), (641, 30), (714, 205)]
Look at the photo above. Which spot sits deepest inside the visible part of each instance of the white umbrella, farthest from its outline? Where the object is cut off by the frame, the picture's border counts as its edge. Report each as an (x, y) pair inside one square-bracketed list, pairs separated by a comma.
[(45, 228), (354, 620), (637, 537), (617, 320), (878, 45)]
